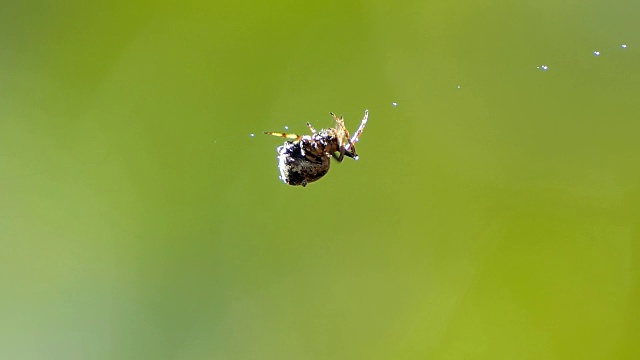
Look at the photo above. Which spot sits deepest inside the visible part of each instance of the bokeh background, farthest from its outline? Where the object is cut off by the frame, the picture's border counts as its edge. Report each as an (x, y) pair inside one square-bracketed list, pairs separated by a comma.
[(493, 213)]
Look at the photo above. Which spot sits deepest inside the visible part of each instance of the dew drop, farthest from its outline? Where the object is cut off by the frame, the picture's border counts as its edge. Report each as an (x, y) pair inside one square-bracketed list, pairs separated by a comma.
[(252, 135), (286, 128), (596, 53)]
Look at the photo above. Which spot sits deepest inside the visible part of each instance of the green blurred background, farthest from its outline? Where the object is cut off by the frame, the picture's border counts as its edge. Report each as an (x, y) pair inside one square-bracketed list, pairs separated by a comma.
[(493, 213)]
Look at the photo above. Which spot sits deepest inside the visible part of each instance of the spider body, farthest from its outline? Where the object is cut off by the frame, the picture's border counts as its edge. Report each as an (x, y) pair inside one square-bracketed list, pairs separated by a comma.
[(307, 158)]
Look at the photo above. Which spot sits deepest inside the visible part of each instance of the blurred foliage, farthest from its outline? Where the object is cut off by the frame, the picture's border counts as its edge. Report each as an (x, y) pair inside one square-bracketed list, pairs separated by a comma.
[(493, 212)]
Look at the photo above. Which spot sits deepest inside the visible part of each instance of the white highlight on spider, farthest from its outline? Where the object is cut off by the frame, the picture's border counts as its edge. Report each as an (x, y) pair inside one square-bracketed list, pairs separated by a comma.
[(596, 53)]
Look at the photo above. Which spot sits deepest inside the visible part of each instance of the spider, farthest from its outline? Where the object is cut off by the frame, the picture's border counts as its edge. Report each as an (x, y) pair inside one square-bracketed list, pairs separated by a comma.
[(307, 158)]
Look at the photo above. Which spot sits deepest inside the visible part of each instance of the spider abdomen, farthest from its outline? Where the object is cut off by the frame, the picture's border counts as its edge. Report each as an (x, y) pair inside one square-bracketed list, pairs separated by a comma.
[(297, 168)]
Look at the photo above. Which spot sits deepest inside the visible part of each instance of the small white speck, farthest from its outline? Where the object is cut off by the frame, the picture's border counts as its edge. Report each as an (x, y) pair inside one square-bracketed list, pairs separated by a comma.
[(252, 135), (394, 104), (286, 128), (459, 87), (356, 157), (542, 67), (624, 46), (596, 53)]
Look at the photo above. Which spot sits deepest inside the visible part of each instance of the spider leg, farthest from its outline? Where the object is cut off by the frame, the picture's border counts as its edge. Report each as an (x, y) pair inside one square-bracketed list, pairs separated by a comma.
[(341, 156), (341, 126), (286, 136), (356, 135), (350, 154), (349, 148), (313, 130), (337, 119)]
